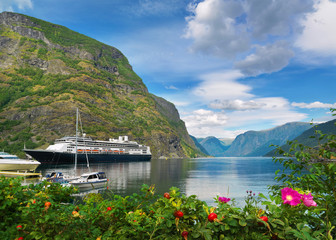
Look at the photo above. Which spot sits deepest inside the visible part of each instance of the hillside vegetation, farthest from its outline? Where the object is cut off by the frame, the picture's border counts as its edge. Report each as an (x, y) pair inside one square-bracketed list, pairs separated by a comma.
[(47, 71)]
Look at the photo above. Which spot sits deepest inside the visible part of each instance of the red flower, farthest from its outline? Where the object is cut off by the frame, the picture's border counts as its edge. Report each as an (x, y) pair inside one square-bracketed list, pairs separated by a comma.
[(212, 217), (166, 195), (178, 214), (109, 208), (20, 238), (184, 234), (19, 227), (264, 218)]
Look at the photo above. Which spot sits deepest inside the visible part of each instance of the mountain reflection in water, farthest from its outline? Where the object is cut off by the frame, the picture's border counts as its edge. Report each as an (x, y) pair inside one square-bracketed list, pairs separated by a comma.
[(204, 177)]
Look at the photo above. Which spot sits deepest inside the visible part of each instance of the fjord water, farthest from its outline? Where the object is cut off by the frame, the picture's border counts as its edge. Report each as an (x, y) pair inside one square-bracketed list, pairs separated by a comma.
[(205, 177)]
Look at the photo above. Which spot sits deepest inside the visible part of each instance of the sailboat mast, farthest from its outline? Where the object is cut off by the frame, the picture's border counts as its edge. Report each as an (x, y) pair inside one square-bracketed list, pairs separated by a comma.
[(76, 138)]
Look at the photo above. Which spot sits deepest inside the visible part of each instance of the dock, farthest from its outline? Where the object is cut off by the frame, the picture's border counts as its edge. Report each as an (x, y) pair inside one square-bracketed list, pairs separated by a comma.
[(25, 174)]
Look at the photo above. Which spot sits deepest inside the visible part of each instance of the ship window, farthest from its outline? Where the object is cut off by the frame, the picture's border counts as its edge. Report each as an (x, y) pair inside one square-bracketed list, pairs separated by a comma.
[(92, 177)]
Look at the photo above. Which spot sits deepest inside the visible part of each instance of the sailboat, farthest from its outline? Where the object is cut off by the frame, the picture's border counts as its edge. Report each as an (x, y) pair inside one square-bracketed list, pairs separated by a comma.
[(89, 180)]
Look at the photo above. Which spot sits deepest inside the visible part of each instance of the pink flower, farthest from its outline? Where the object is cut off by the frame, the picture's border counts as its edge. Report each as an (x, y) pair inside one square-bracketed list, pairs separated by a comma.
[(290, 196), (224, 199), (308, 200)]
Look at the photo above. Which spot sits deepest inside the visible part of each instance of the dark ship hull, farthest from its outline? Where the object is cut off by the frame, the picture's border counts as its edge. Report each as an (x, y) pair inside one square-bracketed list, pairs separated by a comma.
[(50, 157)]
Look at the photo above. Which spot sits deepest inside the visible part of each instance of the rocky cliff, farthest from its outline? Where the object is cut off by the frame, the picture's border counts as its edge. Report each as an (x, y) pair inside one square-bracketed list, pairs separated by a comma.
[(47, 71)]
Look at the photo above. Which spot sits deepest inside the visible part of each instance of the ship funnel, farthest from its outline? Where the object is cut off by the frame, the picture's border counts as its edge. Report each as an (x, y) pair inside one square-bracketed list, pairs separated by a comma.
[(125, 138), (120, 138)]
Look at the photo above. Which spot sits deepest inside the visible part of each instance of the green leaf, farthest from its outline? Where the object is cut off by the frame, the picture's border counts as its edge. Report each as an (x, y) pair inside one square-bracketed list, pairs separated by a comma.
[(278, 221), (242, 223)]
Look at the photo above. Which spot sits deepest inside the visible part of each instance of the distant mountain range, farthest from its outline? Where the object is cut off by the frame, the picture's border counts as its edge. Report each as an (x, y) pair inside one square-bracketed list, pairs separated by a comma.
[(306, 138), (257, 143), (252, 143)]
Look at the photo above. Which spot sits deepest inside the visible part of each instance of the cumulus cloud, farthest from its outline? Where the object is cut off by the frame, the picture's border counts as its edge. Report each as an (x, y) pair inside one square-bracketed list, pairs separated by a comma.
[(203, 117), (202, 123), (257, 29), (214, 29), (10, 5), (316, 104), (319, 29), (275, 18), (266, 59)]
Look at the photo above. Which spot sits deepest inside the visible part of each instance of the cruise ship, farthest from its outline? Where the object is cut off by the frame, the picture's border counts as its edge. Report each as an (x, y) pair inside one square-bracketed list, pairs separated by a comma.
[(85, 149)]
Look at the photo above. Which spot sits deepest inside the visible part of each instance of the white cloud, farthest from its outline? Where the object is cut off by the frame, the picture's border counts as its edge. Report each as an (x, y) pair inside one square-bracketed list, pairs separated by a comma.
[(214, 29), (233, 29), (237, 104), (171, 87), (316, 104), (10, 5), (319, 29), (222, 85), (203, 123), (266, 59), (273, 111), (275, 18)]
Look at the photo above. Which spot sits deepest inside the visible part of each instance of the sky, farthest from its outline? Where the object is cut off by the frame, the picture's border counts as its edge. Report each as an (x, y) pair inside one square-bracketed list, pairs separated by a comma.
[(229, 66)]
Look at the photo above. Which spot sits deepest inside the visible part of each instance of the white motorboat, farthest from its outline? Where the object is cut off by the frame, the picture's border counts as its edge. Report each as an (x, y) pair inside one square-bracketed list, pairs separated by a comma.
[(58, 177), (9, 162), (88, 181)]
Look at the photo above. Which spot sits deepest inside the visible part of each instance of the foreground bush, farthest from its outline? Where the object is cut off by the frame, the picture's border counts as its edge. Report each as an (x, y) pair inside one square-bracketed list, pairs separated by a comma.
[(303, 206)]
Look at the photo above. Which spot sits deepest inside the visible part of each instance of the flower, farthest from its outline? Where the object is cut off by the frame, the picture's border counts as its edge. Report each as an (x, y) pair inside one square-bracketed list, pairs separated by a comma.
[(224, 199), (308, 200), (290, 196)]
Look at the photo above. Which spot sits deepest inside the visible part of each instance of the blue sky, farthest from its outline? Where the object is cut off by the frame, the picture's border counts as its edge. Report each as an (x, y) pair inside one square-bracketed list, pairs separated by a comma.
[(228, 65)]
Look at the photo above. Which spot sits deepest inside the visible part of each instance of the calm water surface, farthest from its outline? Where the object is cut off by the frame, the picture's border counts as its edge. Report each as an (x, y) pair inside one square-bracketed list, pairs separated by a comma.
[(204, 177)]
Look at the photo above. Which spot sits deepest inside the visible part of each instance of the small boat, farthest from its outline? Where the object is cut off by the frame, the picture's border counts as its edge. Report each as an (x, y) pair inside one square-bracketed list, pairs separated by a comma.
[(58, 177), (9, 162), (88, 181)]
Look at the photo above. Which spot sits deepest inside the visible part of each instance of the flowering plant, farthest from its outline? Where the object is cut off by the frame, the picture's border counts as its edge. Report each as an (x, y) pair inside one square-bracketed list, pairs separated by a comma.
[(224, 199), (290, 196)]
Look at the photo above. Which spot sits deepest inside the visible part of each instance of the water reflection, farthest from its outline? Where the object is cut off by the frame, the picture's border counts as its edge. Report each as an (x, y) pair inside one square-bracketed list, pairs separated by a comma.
[(204, 177)]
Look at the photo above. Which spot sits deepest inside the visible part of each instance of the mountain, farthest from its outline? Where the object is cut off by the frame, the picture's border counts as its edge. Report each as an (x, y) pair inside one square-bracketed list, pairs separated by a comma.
[(214, 146), (306, 137), (199, 146), (257, 143), (47, 71)]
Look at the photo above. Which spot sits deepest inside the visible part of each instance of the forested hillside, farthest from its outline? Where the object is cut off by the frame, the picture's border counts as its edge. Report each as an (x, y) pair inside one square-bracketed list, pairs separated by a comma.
[(47, 71)]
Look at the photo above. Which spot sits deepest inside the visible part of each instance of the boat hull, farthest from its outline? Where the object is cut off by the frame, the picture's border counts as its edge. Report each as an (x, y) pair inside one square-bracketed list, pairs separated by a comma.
[(12, 166), (82, 186), (50, 157)]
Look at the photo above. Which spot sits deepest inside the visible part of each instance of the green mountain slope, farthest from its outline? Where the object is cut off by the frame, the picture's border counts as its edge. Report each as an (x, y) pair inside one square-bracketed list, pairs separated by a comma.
[(309, 137), (199, 146), (214, 146), (257, 143), (47, 71)]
